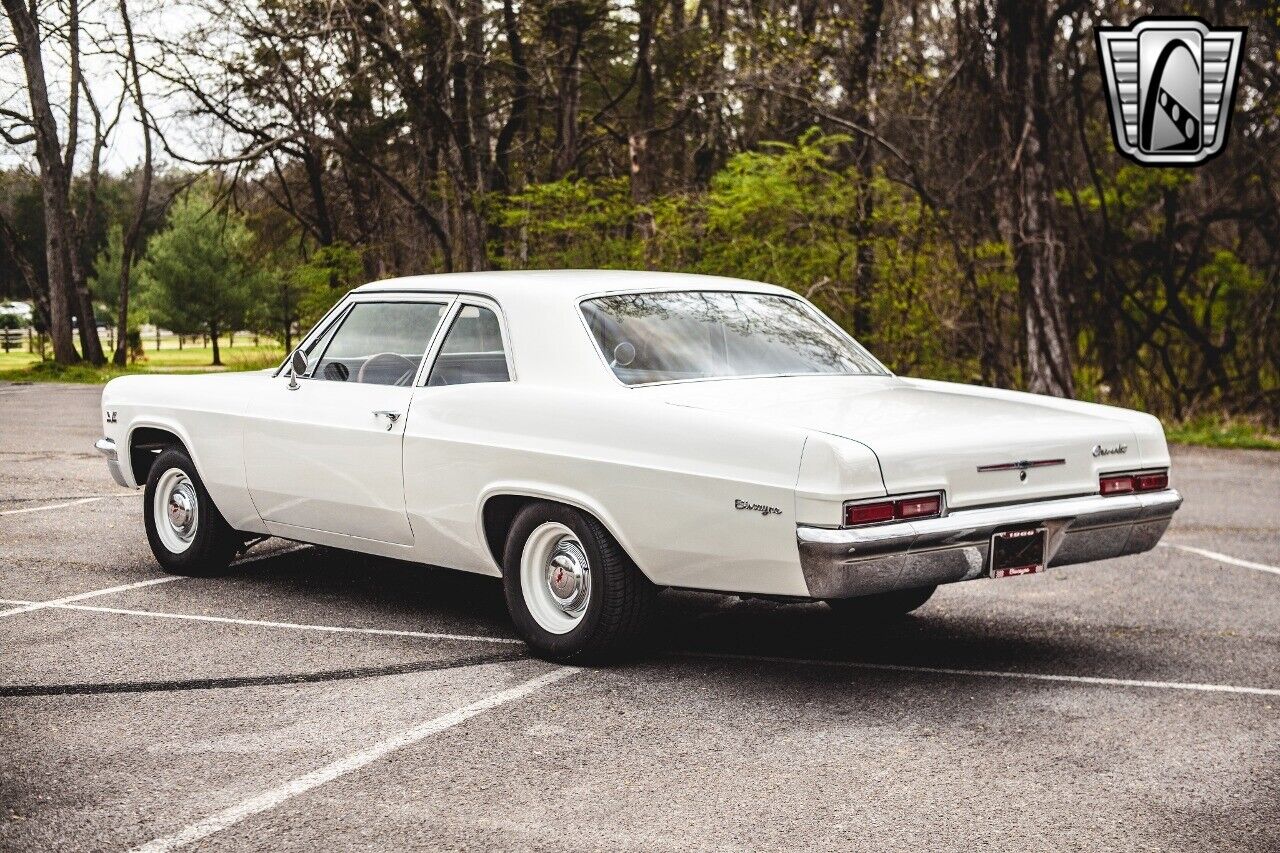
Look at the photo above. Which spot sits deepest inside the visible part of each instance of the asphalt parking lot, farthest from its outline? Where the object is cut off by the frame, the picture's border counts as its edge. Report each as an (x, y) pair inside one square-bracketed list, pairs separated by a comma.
[(319, 700)]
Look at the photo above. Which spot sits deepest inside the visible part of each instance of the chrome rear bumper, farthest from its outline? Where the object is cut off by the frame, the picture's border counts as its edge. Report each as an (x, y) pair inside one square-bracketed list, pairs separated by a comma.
[(911, 554), (107, 448)]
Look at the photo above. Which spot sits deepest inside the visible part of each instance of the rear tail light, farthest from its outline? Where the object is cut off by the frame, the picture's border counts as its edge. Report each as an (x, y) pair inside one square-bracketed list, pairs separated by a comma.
[(1121, 485), (901, 509), (918, 507), (1124, 484), (868, 513), (1151, 482)]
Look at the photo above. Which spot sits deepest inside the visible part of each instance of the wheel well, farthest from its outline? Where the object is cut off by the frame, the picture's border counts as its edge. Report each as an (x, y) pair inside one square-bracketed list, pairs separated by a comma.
[(499, 513), (144, 445)]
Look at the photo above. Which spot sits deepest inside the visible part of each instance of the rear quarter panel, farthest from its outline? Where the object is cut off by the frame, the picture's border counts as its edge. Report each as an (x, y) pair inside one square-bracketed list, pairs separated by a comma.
[(663, 479)]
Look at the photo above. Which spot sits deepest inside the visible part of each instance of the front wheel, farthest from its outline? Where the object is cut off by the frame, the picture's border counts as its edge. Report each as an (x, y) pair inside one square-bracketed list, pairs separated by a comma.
[(883, 606), (187, 533), (573, 593)]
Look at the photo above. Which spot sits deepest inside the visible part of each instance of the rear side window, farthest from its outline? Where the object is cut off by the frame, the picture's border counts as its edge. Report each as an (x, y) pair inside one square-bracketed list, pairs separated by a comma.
[(472, 350)]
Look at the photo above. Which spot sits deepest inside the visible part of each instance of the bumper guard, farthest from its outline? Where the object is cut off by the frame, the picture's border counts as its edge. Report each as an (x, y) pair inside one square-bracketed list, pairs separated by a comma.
[(107, 447)]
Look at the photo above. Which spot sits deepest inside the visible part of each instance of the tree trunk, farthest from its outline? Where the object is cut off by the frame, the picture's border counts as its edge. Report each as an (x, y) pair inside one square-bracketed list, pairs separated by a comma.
[(1026, 194), (568, 35), (521, 91), (643, 180), (858, 97), (133, 236), (90, 342), (54, 182), (315, 183), (213, 336)]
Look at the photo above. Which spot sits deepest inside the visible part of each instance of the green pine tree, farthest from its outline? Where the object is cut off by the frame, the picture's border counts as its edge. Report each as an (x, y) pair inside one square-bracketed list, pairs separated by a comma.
[(201, 278)]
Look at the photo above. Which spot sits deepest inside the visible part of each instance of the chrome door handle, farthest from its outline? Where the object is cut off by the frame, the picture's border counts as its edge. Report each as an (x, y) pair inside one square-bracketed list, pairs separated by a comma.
[(391, 417)]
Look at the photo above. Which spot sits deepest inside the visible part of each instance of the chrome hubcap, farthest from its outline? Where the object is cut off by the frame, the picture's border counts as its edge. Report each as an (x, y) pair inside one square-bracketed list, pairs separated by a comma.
[(176, 511), (555, 578), (181, 508), (567, 577)]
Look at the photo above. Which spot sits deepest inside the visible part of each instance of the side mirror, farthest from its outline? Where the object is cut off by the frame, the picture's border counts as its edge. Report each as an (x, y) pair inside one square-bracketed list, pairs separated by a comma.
[(623, 354), (297, 367)]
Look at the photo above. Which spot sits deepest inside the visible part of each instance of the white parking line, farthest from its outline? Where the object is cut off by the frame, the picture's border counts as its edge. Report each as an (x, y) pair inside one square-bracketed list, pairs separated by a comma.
[(992, 673), (273, 797), (1223, 558), (476, 638), (28, 606), (57, 602), (262, 623), (66, 504)]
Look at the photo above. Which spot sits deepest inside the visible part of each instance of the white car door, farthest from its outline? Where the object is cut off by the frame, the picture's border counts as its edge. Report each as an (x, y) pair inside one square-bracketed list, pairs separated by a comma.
[(326, 455)]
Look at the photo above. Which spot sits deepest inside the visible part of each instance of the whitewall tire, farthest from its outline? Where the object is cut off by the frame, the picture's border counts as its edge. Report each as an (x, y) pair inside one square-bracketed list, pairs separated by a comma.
[(188, 535), (573, 593)]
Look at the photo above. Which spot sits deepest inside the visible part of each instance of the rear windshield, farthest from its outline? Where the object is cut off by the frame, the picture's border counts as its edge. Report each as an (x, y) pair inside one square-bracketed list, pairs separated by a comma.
[(681, 335)]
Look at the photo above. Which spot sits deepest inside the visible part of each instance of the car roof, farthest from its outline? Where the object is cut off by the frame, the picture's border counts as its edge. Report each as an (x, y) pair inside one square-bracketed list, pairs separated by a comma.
[(561, 284)]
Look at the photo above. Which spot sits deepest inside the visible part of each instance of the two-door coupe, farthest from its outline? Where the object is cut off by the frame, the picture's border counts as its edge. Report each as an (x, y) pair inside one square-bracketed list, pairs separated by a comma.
[(590, 437)]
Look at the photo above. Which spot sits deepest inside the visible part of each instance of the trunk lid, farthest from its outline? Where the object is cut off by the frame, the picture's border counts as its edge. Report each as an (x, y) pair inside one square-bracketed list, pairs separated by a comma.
[(931, 436)]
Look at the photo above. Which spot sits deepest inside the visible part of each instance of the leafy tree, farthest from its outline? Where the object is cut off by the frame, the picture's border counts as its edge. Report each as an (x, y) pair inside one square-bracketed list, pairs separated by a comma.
[(290, 299), (329, 273), (104, 280), (9, 321), (199, 269), (104, 284)]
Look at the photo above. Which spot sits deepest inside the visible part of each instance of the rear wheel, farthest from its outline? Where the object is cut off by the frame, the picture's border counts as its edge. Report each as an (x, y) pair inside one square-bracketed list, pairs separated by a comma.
[(885, 605), (187, 533), (573, 593)]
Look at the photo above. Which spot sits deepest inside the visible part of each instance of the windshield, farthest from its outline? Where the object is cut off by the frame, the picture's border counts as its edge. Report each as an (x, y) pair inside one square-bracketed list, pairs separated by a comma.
[(680, 335)]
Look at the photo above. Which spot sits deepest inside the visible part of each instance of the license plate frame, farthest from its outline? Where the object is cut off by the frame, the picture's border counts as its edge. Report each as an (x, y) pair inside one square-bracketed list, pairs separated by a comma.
[(1017, 552)]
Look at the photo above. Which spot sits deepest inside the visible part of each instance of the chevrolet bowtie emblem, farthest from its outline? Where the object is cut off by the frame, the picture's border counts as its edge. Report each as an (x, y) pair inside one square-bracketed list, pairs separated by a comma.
[(1170, 83)]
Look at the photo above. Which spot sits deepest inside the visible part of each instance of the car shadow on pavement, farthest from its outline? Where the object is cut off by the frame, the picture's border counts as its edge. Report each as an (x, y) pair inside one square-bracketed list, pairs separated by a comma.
[(937, 636)]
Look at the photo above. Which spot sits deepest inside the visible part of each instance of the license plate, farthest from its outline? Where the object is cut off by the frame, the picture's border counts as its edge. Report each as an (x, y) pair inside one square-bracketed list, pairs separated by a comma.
[(1017, 552)]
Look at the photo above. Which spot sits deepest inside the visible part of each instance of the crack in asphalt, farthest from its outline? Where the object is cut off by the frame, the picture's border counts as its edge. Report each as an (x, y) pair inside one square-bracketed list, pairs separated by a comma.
[(257, 681)]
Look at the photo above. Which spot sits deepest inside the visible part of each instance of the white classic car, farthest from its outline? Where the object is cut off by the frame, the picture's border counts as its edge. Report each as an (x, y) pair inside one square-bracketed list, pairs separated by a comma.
[(590, 437)]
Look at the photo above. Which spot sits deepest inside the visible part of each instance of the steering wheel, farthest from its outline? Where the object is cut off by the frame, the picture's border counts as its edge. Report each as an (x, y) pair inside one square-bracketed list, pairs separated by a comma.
[(389, 357)]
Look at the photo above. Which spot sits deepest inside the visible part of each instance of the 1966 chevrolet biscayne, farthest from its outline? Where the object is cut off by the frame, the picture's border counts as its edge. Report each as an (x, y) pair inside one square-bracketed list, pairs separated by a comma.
[(590, 437)]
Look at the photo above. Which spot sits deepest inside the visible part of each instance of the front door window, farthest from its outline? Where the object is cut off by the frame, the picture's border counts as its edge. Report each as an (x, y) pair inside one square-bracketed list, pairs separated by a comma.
[(380, 343)]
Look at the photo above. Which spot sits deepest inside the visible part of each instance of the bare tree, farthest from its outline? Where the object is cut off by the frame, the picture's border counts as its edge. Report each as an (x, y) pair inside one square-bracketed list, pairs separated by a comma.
[(132, 236), (1024, 42), (55, 182)]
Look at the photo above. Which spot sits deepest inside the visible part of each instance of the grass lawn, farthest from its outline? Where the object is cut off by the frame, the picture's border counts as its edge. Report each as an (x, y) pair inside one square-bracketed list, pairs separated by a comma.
[(16, 359), (1215, 432), (25, 367)]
